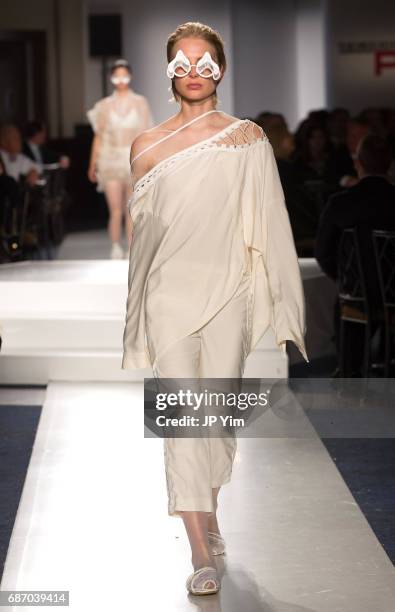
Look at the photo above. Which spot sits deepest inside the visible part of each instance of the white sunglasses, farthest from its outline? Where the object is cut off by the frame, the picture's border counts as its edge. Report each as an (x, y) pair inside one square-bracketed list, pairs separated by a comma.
[(206, 67), (117, 80)]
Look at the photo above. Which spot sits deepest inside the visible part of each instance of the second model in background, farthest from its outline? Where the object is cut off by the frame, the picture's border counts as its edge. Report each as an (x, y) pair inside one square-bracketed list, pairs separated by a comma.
[(117, 120)]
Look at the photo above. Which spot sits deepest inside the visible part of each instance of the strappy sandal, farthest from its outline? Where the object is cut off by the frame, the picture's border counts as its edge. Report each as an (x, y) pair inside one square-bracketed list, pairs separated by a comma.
[(217, 543), (203, 582)]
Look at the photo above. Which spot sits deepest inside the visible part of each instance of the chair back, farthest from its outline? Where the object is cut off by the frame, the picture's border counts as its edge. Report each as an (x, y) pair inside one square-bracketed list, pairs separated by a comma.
[(351, 279), (384, 250)]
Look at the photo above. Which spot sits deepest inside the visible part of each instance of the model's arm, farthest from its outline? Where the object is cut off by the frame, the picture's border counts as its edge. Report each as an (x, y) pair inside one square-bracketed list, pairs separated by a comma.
[(93, 158), (139, 167), (145, 161), (98, 118), (281, 259)]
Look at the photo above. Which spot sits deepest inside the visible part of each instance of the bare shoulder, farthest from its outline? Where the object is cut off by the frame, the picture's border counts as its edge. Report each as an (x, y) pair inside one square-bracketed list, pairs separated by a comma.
[(142, 141)]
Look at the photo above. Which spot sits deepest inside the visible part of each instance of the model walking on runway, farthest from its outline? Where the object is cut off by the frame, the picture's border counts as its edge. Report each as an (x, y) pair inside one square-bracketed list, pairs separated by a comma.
[(212, 266), (117, 120)]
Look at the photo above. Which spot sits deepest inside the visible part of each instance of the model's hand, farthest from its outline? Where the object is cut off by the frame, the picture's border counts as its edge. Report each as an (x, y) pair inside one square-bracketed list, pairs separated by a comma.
[(92, 174)]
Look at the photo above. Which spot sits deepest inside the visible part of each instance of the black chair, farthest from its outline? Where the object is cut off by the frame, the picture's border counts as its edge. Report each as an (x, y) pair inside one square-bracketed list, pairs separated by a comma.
[(355, 307), (55, 202), (384, 250)]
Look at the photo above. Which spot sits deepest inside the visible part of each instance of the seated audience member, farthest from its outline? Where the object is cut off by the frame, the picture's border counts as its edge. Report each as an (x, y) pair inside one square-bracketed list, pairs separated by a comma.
[(357, 129), (375, 119), (276, 129), (16, 164), (9, 201), (269, 120), (337, 127), (389, 122), (314, 168), (313, 157), (301, 210), (8, 188), (319, 117), (389, 119), (35, 147), (368, 205)]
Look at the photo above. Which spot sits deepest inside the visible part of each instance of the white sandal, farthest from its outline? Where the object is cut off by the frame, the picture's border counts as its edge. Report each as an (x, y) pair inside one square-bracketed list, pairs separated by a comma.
[(217, 543), (197, 583)]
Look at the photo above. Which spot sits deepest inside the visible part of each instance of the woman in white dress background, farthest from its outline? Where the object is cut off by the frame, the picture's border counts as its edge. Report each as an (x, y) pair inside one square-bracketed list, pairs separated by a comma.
[(116, 121)]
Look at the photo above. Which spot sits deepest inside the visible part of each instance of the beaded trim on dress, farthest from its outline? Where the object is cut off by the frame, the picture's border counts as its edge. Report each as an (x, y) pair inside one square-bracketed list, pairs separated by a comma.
[(238, 135)]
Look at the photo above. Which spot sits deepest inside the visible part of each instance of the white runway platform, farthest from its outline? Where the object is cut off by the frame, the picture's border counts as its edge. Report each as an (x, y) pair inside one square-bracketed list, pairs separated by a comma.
[(93, 519), (93, 514), (64, 320)]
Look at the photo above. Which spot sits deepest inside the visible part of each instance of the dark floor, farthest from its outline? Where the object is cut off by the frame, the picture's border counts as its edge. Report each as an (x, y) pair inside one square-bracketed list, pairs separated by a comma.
[(368, 467), (322, 367), (18, 426), (367, 464)]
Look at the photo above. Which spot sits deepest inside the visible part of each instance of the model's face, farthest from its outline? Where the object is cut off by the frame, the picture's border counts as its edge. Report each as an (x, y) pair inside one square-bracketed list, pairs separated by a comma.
[(193, 87), (121, 78)]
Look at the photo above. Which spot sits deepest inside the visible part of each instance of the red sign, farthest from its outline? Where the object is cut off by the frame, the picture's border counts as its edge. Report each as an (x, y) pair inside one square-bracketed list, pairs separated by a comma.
[(383, 60)]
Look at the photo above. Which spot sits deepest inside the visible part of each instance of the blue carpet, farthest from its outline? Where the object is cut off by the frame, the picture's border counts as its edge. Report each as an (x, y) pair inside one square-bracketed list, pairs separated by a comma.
[(367, 466), (18, 426)]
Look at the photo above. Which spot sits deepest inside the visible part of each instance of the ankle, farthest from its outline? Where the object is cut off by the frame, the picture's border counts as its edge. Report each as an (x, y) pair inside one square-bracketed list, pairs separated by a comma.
[(213, 524), (200, 560)]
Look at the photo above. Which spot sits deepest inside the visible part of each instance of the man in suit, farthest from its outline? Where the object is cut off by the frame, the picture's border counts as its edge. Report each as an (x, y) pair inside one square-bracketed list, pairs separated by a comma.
[(35, 148), (368, 205), (16, 164)]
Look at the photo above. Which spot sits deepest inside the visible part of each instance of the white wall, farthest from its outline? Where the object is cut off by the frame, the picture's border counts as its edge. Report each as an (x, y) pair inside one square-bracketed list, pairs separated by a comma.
[(72, 65), (273, 48), (310, 57), (264, 57), (282, 55), (146, 27), (264, 43)]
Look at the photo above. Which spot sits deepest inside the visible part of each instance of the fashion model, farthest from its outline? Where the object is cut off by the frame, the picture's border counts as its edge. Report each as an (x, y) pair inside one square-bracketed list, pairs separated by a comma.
[(116, 121), (212, 265)]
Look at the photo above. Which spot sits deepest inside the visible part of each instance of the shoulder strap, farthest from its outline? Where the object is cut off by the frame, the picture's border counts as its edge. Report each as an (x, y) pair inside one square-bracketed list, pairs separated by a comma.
[(172, 134)]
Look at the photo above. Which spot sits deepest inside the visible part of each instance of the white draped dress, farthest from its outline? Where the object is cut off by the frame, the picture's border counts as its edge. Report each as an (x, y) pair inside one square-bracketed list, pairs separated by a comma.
[(201, 216), (118, 119)]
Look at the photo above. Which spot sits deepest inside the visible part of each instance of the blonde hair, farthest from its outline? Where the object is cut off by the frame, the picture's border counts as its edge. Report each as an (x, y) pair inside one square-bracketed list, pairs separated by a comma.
[(195, 29)]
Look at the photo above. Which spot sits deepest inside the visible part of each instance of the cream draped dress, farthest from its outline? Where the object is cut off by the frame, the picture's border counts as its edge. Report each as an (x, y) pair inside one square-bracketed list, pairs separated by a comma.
[(202, 216)]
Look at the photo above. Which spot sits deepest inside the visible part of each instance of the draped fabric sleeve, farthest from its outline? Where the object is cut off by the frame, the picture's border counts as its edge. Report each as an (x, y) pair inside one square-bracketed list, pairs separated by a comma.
[(97, 117), (269, 235)]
